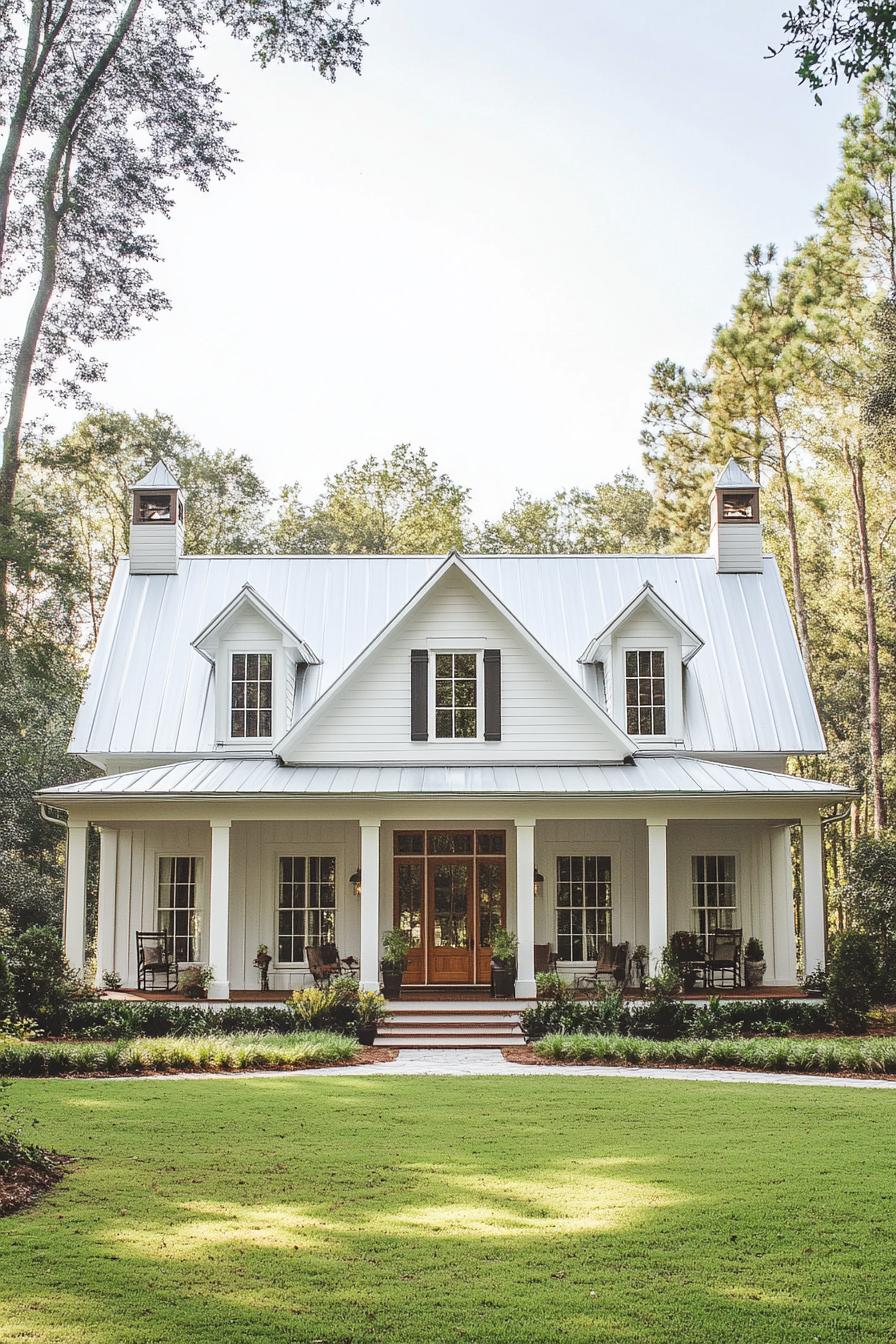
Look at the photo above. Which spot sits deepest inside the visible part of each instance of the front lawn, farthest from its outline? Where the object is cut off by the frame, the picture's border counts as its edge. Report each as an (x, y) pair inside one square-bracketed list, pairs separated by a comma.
[(443, 1209)]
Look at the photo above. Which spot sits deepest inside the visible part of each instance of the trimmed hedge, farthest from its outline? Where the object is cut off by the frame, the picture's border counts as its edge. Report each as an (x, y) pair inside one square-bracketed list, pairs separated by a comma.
[(770, 1055), (668, 1019), (30, 1059), (89, 1018)]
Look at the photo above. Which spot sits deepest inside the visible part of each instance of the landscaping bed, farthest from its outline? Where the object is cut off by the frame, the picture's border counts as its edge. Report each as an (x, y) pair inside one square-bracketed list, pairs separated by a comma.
[(194, 1054), (845, 1055), (23, 1184)]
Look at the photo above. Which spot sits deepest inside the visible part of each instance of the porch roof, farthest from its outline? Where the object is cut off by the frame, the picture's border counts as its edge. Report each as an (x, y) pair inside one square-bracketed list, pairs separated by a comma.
[(646, 776)]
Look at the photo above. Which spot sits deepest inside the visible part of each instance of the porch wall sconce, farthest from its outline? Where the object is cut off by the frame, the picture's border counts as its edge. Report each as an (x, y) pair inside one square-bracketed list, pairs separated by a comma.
[(355, 881), (539, 883)]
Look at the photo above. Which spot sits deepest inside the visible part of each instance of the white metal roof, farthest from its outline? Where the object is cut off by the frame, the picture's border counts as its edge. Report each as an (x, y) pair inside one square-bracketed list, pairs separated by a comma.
[(668, 776), (149, 691), (159, 477)]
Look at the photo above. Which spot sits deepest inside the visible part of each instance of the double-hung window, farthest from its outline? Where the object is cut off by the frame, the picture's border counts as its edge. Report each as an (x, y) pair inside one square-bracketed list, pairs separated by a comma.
[(251, 695), (306, 905), (176, 904), (456, 695), (714, 893), (645, 692), (584, 906)]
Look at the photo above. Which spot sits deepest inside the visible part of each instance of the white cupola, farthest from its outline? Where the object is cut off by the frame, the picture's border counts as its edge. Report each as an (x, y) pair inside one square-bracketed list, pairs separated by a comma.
[(157, 523), (735, 534)]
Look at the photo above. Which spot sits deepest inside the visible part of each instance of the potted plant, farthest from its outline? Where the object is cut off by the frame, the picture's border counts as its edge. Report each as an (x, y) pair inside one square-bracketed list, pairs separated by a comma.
[(684, 954), (815, 984), (754, 963), (396, 945), (262, 962), (371, 1011), (504, 946), (195, 980)]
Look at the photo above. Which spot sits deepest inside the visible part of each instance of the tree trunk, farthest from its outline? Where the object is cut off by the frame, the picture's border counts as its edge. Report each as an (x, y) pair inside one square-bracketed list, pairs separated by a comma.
[(34, 59), (856, 466), (56, 181), (796, 568)]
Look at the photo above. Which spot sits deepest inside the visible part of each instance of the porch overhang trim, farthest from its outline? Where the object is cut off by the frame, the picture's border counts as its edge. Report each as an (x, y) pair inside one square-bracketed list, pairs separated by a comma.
[(648, 777)]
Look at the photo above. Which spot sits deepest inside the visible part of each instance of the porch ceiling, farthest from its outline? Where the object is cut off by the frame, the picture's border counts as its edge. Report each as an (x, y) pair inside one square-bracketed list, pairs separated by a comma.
[(657, 777)]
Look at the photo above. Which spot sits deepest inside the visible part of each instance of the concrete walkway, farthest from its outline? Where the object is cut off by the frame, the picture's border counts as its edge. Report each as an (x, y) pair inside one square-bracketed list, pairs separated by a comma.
[(491, 1063)]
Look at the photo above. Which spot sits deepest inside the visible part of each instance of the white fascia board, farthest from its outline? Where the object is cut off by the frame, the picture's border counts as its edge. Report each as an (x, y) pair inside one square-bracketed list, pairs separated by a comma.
[(691, 642), (453, 561), (206, 642)]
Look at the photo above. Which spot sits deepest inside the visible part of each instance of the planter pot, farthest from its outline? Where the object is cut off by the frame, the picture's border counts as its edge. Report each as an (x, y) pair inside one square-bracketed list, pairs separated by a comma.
[(392, 984), (194, 992), (754, 972), (503, 978), (814, 993), (366, 1035), (689, 981)]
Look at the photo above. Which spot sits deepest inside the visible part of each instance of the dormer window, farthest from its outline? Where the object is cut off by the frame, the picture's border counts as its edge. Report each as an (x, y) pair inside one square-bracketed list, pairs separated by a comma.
[(456, 683), (739, 506), (645, 692), (251, 695)]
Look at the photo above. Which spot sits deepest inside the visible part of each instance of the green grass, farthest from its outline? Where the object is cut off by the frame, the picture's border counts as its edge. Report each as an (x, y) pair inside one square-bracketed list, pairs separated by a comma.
[(787, 1054), (428, 1210), (178, 1053)]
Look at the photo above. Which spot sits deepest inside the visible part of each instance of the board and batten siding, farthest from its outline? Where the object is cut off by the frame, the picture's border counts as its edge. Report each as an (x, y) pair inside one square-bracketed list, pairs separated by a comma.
[(765, 908), (368, 719)]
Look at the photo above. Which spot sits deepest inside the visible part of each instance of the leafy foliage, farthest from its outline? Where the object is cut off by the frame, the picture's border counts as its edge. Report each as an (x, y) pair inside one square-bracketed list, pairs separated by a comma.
[(853, 980), (44, 985)]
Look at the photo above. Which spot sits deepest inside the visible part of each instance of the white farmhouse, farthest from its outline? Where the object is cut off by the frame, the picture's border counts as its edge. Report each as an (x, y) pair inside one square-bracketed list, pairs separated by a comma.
[(300, 750)]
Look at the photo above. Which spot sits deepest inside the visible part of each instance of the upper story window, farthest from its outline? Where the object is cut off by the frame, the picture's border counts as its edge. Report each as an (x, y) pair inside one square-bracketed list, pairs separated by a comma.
[(456, 695), (251, 695), (645, 692)]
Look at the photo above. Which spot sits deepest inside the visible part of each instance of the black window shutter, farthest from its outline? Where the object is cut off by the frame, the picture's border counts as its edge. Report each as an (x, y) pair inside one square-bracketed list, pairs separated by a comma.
[(491, 666), (419, 694)]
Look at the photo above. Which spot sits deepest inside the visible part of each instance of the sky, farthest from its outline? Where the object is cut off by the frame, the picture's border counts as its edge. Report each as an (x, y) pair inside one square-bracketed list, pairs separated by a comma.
[(481, 245)]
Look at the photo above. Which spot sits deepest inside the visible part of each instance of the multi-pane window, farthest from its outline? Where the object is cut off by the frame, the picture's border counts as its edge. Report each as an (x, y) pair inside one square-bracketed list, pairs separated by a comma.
[(456, 694), (251, 694), (645, 692), (714, 893), (177, 905), (306, 905), (584, 906)]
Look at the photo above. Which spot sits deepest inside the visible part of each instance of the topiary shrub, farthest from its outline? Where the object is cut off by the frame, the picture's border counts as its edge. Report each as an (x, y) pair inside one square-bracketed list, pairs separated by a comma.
[(853, 981)]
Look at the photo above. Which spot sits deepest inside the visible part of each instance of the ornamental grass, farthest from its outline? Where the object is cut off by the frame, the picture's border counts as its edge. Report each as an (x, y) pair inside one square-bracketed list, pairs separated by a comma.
[(844, 1054), (172, 1054)]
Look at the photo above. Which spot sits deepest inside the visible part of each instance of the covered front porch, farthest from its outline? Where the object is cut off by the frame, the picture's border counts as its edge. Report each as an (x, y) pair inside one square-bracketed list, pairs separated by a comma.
[(227, 878)]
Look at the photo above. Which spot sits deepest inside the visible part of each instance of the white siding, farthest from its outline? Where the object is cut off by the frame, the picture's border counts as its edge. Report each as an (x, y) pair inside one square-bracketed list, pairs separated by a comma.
[(737, 547), (368, 719), (155, 548)]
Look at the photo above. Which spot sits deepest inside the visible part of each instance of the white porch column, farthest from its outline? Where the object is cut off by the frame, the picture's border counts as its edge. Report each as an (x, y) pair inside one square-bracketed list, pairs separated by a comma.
[(75, 907), (657, 891), (813, 893), (105, 910), (219, 910), (525, 908), (370, 905), (784, 932)]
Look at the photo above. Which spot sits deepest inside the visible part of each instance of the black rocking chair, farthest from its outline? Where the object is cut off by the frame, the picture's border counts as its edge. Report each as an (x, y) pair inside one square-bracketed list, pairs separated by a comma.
[(724, 957), (154, 960)]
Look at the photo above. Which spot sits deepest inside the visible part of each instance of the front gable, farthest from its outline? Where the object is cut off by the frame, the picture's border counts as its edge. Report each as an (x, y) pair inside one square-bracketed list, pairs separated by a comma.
[(366, 714)]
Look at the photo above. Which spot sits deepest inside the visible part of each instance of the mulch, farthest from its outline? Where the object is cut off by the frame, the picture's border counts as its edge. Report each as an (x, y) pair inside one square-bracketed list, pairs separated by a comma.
[(21, 1186)]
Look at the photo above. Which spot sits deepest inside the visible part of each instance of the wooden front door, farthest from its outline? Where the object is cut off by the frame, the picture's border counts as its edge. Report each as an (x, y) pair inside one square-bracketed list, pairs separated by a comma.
[(451, 946), (450, 893)]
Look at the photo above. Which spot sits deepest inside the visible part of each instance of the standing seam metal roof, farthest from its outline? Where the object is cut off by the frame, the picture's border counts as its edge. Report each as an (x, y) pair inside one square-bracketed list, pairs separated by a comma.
[(149, 691)]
